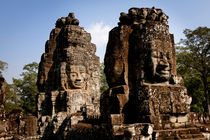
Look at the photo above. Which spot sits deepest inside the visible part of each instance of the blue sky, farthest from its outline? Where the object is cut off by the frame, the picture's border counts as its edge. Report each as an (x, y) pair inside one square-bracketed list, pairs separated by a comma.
[(25, 24)]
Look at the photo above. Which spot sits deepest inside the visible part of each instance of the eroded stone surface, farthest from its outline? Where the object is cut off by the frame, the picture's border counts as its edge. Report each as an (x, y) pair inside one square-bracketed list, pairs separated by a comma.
[(68, 77), (18, 126)]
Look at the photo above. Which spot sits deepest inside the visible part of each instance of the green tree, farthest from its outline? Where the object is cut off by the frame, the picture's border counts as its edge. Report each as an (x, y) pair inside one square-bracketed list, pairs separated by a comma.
[(26, 88), (193, 60), (3, 65), (12, 100), (104, 85)]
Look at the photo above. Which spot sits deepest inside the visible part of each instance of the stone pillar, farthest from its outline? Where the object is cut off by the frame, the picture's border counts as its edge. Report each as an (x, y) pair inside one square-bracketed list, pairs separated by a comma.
[(54, 95), (41, 98)]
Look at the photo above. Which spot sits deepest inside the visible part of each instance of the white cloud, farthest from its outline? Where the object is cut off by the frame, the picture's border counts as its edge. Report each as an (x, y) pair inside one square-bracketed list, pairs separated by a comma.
[(99, 34)]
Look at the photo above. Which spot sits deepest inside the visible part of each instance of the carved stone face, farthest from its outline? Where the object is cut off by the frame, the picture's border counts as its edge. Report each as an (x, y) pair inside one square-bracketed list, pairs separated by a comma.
[(143, 13), (77, 76), (160, 66)]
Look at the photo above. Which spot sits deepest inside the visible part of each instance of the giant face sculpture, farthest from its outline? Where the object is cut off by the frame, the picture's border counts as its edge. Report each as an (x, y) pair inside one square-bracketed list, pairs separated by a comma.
[(77, 76), (160, 61)]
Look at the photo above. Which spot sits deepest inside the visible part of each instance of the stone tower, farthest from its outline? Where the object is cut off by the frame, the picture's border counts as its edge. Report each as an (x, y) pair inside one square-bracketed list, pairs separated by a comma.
[(68, 76), (140, 67)]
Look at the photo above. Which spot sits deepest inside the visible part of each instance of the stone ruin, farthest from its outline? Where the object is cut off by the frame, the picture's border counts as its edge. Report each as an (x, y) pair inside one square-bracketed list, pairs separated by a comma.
[(145, 100), (144, 92), (15, 125), (68, 77), (140, 67)]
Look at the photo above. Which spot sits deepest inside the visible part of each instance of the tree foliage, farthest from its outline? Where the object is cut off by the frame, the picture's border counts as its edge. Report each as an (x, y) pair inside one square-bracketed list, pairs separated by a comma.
[(193, 59), (3, 65), (12, 100), (104, 85), (26, 89)]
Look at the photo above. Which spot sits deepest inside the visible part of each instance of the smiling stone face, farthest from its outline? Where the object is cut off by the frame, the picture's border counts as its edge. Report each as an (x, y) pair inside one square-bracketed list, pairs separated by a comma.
[(161, 68), (159, 63), (77, 76)]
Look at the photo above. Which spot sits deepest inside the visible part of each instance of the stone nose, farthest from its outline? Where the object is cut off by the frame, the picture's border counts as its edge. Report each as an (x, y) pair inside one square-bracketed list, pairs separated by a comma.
[(164, 62), (79, 77)]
